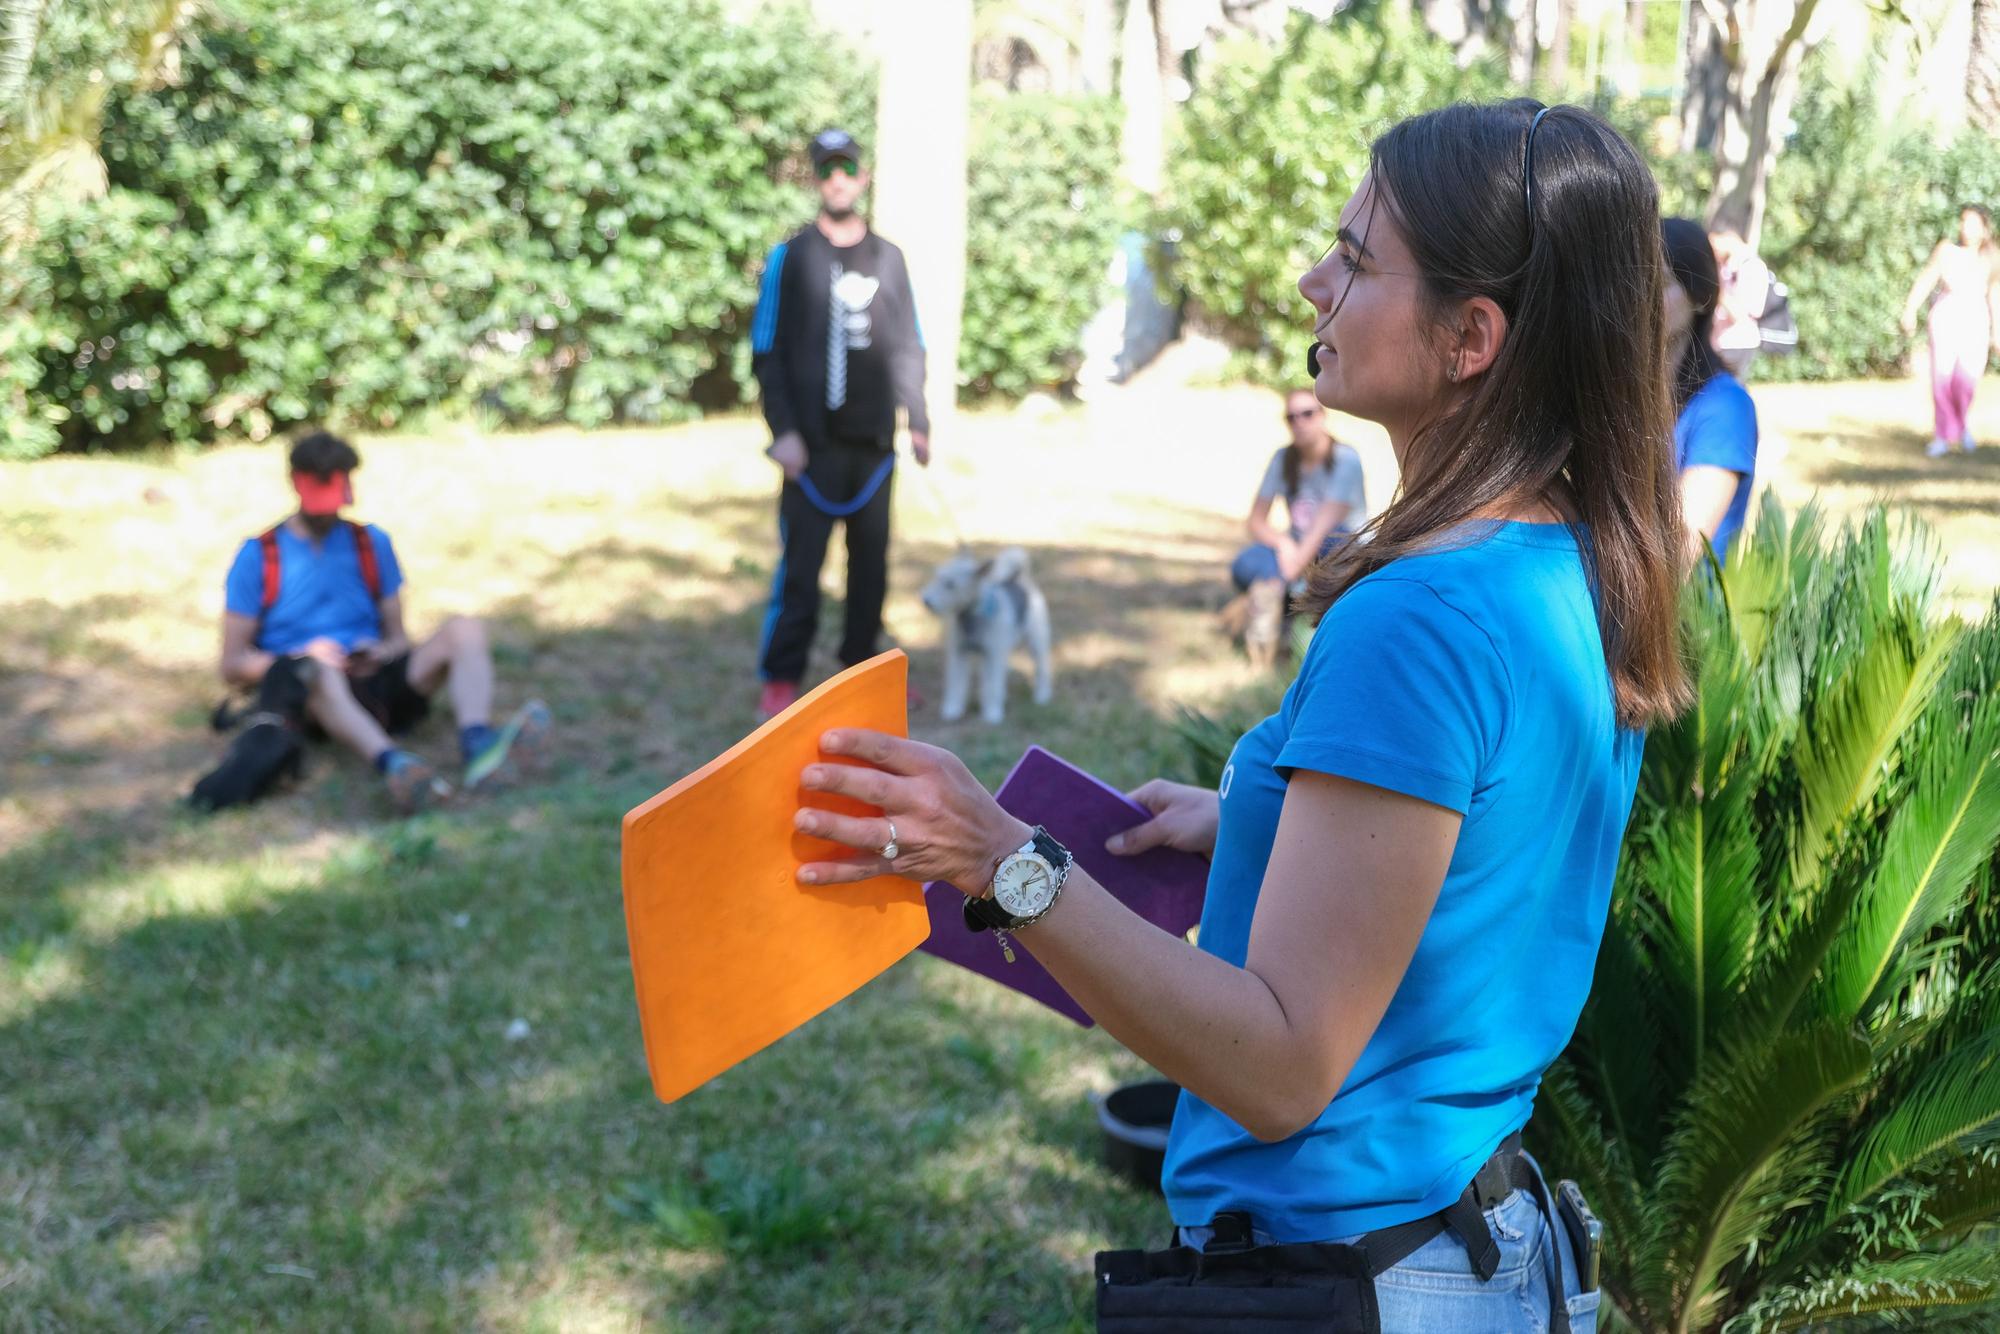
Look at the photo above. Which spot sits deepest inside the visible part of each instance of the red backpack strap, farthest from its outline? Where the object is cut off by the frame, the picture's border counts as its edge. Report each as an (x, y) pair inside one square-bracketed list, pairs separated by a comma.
[(273, 568), (364, 551)]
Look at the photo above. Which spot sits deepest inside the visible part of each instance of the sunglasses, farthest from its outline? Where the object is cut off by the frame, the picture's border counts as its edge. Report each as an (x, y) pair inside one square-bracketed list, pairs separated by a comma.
[(831, 165), (1302, 415)]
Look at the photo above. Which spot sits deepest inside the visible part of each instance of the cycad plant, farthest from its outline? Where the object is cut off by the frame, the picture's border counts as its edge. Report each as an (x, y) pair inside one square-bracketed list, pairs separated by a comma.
[(1784, 1096), (53, 91)]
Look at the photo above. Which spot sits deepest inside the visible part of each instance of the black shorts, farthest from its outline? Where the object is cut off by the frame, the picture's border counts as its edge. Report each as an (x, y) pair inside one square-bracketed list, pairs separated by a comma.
[(387, 693)]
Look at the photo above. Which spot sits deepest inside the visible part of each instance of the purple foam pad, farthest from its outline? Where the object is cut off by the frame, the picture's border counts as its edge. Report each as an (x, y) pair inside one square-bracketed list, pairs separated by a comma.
[(1080, 812)]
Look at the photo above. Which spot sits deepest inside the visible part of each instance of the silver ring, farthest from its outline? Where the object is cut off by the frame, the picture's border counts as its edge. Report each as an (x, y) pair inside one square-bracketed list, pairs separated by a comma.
[(889, 850)]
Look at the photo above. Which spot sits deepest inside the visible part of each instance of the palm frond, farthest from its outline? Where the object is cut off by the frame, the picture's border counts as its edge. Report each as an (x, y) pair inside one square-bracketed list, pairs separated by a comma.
[(1940, 835), (1770, 568), (1958, 1095), (1965, 1276), (1734, 1160), (1566, 1129), (1619, 1037), (1968, 1196), (1853, 734), (1703, 864)]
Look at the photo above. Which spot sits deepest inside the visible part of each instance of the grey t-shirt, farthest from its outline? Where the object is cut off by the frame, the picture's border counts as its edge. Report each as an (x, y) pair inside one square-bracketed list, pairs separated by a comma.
[(1339, 480)]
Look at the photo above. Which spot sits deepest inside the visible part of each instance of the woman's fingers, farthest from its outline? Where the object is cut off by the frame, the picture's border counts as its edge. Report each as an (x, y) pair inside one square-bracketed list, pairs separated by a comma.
[(864, 832), (854, 780), (896, 754), (843, 873), (1138, 838)]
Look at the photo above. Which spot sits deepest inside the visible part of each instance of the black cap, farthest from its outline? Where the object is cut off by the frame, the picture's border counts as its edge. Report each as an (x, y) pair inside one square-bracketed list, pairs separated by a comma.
[(830, 144)]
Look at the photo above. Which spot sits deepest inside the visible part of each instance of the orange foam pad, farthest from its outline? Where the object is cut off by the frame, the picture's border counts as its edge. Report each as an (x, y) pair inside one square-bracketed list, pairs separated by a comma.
[(729, 951)]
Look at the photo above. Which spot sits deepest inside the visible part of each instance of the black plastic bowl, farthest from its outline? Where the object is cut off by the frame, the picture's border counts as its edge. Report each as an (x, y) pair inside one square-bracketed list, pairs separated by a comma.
[(1135, 1118)]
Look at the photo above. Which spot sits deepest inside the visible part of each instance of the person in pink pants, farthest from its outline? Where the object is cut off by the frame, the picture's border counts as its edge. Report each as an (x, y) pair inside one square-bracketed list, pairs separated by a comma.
[(1964, 320)]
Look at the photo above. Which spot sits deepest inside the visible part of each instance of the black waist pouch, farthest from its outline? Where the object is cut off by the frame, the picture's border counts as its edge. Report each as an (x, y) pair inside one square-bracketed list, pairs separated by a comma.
[(1307, 1288)]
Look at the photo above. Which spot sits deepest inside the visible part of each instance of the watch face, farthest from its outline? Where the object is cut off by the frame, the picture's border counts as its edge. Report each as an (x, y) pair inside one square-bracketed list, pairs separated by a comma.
[(1025, 885)]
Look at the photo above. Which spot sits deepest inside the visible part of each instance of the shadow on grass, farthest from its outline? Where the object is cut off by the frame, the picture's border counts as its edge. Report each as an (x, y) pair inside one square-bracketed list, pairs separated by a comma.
[(274, 1092)]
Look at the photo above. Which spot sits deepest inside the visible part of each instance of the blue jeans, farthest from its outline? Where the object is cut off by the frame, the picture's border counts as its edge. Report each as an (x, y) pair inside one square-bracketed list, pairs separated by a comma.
[(1257, 561), (1435, 1288)]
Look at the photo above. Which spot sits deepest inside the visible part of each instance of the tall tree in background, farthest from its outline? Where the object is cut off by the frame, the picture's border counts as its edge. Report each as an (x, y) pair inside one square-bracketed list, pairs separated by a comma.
[(1982, 71), (923, 114), (1743, 75), (1523, 49), (1142, 75)]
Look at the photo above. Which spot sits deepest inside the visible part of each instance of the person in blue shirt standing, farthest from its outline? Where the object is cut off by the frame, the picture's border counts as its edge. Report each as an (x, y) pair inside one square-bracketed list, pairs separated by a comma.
[(1715, 427), (329, 590), (1412, 859)]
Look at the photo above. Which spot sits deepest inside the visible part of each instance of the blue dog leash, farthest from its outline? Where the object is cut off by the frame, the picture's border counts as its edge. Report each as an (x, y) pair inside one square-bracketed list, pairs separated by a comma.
[(854, 506)]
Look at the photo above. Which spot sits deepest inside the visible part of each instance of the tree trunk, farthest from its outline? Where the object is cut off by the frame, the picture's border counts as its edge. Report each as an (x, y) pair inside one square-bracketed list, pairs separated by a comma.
[(1982, 71), (1100, 45), (1629, 78), (1704, 81), (1761, 83), (923, 114), (1141, 91), (1565, 11), (1522, 46)]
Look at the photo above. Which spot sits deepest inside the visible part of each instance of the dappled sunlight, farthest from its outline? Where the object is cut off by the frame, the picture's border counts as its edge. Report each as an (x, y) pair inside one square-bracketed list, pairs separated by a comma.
[(579, 1292), (41, 971), (161, 1250), (274, 1045)]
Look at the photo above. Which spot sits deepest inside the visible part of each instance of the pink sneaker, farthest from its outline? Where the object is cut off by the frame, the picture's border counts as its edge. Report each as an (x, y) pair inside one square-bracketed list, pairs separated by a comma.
[(777, 697)]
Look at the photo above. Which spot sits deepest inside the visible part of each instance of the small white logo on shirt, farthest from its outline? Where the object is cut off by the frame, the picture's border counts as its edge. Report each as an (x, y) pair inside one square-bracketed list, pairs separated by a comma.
[(1228, 777)]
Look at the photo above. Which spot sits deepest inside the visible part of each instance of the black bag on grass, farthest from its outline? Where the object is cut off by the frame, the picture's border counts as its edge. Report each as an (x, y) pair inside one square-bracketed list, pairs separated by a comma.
[(271, 746)]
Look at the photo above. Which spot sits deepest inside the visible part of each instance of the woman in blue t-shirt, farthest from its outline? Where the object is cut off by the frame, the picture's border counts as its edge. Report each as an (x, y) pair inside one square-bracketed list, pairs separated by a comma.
[(1715, 427), (1411, 860)]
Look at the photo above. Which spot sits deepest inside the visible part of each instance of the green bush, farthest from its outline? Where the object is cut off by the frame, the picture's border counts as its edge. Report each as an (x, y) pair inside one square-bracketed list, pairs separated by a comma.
[(1268, 151), (1043, 223), (1784, 1095), (355, 212), (1856, 204)]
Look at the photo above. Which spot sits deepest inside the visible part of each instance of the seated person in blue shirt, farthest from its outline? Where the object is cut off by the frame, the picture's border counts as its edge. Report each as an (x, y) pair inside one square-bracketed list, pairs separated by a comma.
[(1715, 428), (320, 587), (1411, 861)]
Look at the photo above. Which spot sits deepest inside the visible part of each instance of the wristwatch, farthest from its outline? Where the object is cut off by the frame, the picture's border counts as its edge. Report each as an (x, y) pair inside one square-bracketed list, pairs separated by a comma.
[(1025, 885)]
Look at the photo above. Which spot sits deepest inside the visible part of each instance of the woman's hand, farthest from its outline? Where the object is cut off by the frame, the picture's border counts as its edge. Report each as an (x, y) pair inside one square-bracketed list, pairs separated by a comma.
[(1184, 818), (948, 827)]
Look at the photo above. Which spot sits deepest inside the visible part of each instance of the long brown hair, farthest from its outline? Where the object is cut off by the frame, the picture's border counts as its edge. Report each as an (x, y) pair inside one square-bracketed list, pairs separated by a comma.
[(1691, 259), (1575, 406)]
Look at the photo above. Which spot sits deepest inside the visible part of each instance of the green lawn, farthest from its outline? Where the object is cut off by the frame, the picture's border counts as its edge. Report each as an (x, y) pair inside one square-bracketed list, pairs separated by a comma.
[(257, 1070)]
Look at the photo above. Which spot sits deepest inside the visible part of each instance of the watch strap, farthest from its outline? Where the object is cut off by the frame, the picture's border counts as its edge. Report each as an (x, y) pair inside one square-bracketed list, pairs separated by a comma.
[(985, 914)]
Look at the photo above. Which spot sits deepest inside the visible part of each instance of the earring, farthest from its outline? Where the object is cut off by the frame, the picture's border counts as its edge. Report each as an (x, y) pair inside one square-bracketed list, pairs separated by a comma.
[(1451, 371)]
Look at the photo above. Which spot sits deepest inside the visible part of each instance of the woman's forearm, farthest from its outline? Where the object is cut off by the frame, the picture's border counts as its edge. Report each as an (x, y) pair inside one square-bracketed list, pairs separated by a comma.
[(1213, 1028)]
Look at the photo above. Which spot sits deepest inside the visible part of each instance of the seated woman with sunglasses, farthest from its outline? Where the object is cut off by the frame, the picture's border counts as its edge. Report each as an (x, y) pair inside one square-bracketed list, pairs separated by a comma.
[(1412, 859), (1320, 481)]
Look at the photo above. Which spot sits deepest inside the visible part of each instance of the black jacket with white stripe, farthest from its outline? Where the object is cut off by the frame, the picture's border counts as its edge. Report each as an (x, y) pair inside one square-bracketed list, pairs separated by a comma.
[(883, 353)]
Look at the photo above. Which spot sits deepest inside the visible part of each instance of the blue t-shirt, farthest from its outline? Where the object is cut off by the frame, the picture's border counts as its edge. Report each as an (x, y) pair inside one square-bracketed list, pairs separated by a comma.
[(1718, 427), (321, 594), (1474, 679)]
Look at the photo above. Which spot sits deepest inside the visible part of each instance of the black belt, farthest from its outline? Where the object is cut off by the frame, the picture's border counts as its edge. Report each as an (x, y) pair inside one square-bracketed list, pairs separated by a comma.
[(1507, 1171)]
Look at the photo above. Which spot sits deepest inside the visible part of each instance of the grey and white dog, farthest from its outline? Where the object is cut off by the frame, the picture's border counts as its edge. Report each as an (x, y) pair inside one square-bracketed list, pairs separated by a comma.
[(988, 607)]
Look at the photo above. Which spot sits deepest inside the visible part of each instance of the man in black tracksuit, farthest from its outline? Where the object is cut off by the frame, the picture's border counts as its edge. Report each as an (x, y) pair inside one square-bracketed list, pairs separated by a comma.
[(836, 349)]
